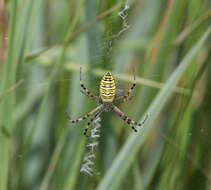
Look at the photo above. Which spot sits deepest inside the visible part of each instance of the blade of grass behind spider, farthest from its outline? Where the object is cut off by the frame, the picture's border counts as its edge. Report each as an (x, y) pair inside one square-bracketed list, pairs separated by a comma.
[(76, 106), (180, 125), (127, 155), (205, 110), (17, 46), (6, 105)]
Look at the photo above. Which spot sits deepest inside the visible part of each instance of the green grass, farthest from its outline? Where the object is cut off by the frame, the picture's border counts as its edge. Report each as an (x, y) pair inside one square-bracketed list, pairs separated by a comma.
[(48, 41)]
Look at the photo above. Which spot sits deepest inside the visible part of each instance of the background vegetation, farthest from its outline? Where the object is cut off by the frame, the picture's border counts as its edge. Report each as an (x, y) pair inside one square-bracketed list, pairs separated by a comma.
[(44, 42)]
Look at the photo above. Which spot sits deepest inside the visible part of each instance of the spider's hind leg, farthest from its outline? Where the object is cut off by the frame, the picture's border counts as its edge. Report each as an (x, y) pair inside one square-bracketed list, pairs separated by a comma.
[(91, 120), (129, 121), (85, 116)]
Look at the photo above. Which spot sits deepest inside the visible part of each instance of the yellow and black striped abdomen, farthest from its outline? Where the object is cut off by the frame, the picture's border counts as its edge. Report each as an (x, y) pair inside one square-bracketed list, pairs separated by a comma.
[(107, 88)]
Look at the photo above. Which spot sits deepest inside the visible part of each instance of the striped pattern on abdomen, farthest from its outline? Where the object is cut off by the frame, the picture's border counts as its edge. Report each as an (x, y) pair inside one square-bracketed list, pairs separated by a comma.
[(107, 88)]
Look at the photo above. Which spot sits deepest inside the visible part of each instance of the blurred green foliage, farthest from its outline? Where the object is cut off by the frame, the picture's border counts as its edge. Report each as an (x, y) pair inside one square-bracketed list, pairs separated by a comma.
[(44, 43)]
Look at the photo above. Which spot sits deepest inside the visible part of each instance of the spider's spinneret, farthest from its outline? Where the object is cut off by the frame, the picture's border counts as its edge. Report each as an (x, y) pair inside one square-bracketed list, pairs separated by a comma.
[(107, 88)]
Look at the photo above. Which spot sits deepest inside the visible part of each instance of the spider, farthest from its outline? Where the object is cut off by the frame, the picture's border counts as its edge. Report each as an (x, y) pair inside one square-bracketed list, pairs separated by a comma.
[(108, 96)]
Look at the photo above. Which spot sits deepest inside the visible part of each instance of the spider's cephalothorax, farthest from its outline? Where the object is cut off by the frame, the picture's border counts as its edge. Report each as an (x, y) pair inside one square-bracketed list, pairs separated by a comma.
[(107, 96)]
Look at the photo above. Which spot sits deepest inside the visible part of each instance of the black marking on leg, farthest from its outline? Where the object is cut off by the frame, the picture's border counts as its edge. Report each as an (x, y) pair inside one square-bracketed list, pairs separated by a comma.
[(128, 121), (145, 119), (83, 86), (85, 131), (134, 129), (135, 123), (124, 117), (87, 115), (91, 120)]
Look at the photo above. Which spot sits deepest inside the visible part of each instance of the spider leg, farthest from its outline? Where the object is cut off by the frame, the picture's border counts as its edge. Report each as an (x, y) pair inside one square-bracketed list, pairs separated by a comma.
[(127, 97), (87, 92), (85, 116), (91, 120), (129, 121)]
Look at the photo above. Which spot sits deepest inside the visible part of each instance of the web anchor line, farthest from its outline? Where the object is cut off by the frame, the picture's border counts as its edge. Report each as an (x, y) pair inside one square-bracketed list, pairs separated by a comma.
[(125, 26), (123, 14)]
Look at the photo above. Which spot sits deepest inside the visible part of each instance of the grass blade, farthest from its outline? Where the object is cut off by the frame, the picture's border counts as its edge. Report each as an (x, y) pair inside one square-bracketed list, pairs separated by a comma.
[(6, 105)]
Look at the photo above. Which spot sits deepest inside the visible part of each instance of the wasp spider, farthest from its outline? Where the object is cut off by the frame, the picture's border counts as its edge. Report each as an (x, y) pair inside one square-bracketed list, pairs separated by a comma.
[(108, 96)]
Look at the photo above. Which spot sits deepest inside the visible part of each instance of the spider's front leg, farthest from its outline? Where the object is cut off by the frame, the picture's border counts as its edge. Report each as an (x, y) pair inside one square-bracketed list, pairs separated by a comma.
[(86, 91), (119, 98), (127, 96)]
